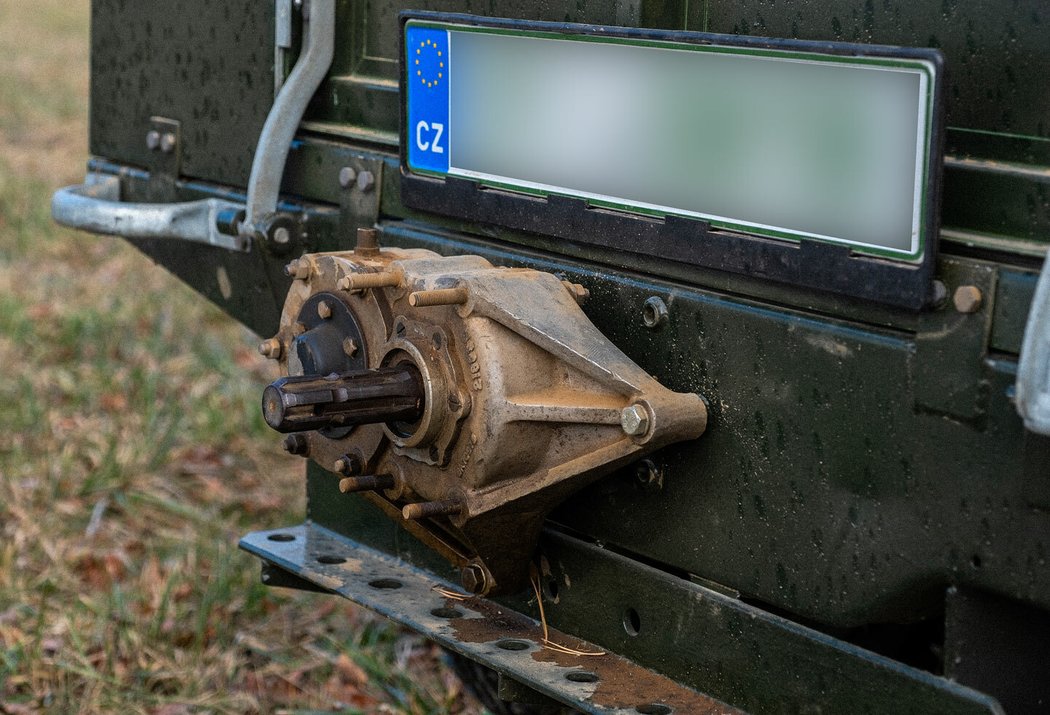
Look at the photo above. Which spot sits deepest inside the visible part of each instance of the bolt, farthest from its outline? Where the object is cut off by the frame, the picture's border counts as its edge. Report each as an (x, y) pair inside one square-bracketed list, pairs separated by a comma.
[(359, 281), (654, 312), (442, 296), (281, 235), (423, 509), (365, 181), (367, 483), (270, 348), (349, 347), (634, 420), (967, 299), (473, 578), (347, 176), (297, 444), (577, 291), (152, 139), (324, 311), (298, 269), (167, 142), (348, 465)]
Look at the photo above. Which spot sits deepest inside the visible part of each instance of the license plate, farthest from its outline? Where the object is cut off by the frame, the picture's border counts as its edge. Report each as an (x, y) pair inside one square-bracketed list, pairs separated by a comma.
[(789, 142)]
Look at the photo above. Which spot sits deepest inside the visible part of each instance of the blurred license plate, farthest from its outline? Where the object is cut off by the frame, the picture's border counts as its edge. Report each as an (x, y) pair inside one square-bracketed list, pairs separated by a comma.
[(786, 143)]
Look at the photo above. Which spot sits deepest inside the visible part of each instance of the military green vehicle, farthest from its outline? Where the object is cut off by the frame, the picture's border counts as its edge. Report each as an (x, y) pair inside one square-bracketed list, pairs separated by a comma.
[(659, 356)]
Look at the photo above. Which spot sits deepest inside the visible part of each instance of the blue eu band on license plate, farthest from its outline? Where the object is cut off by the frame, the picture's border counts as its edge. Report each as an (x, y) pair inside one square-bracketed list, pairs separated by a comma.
[(428, 66), (788, 144)]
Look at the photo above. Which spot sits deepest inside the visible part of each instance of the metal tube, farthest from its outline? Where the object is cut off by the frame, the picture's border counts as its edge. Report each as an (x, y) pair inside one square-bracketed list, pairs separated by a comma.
[(275, 140)]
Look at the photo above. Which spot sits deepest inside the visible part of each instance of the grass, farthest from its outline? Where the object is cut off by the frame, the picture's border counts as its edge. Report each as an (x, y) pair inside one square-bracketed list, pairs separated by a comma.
[(133, 456)]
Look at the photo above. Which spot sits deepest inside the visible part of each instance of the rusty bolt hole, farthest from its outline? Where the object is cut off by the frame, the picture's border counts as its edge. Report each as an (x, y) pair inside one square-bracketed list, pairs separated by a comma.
[(385, 583), (281, 537), (330, 559), (582, 676), (512, 644), (445, 612), (632, 622), (654, 709)]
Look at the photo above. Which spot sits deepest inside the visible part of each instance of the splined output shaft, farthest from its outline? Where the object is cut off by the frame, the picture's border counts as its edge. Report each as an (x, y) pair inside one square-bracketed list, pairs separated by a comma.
[(309, 402)]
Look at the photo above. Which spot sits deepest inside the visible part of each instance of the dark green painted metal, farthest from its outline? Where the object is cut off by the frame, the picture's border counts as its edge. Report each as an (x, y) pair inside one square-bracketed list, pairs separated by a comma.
[(1013, 295), (860, 460), (208, 65), (211, 68), (993, 50)]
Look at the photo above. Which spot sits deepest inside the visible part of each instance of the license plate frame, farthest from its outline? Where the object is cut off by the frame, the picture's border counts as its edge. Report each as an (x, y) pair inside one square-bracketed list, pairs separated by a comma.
[(897, 277)]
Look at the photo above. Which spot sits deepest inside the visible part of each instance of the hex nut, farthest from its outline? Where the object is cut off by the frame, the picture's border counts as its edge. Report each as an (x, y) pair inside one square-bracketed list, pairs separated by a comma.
[(472, 576), (282, 235), (654, 312), (324, 311), (577, 291), (967, 299), (297, 444), (349, 347), (347, 176), (348, 465), (152, 139), (634, 419)]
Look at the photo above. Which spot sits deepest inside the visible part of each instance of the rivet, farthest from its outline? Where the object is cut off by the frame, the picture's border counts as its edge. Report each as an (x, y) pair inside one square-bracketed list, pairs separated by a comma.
[(152, 140), (347, 176), (365, 181), (167, 142)]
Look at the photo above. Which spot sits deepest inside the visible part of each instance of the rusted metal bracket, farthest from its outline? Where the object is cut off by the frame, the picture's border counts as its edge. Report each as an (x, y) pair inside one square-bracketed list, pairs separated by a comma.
[(961, 330), (477, 628), (361, 183)]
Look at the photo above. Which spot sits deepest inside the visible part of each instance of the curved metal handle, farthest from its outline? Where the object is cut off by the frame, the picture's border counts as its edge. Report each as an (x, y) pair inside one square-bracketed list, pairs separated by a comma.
[(95, 206), (275, 140), (1033, 369)]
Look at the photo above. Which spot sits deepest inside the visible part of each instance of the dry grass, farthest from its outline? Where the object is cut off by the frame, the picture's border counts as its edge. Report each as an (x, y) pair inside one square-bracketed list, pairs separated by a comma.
[(132, 456)]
